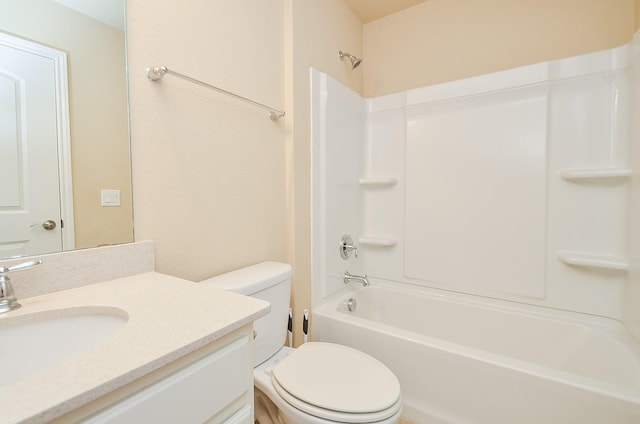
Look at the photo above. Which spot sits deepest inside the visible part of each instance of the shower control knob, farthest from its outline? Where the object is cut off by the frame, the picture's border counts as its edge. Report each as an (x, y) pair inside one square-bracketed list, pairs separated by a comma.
[(347, 246)]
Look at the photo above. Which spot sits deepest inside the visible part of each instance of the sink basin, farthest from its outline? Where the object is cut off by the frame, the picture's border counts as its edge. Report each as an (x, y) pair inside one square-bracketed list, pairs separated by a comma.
[(30, 344)]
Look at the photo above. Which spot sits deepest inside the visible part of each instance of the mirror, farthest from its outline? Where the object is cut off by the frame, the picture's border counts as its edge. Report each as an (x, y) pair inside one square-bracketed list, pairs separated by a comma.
[(92, 37)]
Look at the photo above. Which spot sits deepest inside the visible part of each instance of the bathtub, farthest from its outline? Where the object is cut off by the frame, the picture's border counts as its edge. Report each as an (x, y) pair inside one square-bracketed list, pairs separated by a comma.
[(461, 360)]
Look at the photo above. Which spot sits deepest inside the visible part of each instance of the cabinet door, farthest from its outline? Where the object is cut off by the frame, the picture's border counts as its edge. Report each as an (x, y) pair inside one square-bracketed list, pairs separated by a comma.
[(193, 394)]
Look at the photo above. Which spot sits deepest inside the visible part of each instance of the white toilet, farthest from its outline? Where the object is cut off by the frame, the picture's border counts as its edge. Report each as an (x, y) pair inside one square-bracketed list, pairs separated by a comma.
[(317, 382)]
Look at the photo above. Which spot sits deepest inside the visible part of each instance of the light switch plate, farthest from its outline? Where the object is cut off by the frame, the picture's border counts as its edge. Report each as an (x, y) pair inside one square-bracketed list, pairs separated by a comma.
[(110, 197)]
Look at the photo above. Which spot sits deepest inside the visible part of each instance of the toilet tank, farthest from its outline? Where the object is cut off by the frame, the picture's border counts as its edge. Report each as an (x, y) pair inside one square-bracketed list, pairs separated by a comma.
[(270, 281)]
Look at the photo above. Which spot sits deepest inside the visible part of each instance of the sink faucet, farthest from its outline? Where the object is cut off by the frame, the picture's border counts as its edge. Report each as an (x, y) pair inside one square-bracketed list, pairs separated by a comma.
[(8, 300), (347, 278)]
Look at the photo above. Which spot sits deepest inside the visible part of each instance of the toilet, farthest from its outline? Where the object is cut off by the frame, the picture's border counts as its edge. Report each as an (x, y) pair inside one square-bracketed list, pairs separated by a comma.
[(317, 383)]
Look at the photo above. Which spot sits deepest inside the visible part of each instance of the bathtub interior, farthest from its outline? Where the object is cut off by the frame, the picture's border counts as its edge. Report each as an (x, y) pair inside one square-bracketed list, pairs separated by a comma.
[(593, 347), (446, 382)]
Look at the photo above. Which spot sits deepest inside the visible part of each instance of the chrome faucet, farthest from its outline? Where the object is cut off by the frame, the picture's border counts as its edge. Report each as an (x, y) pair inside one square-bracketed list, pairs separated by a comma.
[(347, 278), (8, 299)]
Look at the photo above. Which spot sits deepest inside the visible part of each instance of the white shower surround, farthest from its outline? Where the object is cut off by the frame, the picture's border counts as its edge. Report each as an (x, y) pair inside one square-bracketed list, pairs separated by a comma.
[(477, 186)]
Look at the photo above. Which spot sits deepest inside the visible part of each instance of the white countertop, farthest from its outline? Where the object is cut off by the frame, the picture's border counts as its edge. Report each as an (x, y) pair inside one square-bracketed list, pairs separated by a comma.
[(167, 318)]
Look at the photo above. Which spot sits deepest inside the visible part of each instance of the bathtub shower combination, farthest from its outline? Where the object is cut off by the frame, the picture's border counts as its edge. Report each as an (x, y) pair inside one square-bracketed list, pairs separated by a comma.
[(492, 217)]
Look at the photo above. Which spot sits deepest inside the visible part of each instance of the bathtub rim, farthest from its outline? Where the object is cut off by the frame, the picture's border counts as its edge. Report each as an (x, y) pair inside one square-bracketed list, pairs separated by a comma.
[(486, 302)]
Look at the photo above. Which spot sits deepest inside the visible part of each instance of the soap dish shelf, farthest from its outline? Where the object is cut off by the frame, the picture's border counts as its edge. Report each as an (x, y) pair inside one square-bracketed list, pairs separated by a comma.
[(579, 174), (378, 182), (377, 241), (593, 261)]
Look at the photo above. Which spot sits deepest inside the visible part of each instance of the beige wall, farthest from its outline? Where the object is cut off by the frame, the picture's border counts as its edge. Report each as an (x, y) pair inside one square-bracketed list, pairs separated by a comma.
[(316, 31), (217, 185), (97, 107), (209, 171), (637, 14), (100, 149), (443, 40)]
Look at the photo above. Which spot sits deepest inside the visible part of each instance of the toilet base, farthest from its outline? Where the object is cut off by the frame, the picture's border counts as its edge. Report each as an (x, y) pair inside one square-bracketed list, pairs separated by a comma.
[(265, 411)]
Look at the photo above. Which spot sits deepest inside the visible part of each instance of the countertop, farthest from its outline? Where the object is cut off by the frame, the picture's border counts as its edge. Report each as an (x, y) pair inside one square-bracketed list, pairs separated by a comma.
[(167, 318)]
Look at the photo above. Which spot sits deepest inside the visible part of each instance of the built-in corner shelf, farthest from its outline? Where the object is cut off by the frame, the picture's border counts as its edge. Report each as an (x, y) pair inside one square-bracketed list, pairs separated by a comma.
[(593, 261), (378, 182), (578, 174), (377, 241)]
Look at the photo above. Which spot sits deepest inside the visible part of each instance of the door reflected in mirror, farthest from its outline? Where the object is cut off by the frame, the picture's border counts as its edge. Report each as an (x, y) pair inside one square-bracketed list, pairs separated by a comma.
[(65, 182)]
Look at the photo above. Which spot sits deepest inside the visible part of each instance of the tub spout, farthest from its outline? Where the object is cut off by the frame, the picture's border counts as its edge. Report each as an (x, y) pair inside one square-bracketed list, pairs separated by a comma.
[(347, 278)]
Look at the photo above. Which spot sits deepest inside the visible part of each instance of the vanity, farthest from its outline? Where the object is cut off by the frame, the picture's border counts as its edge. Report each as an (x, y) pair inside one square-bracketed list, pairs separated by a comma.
[(158, 349)]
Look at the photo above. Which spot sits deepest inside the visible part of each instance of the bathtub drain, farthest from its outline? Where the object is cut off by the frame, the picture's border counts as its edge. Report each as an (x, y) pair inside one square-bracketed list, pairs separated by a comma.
[(351, 304)]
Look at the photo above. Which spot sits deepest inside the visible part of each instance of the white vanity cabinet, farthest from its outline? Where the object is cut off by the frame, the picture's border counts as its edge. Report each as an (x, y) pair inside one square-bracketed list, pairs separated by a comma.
[(212, 385), (183, 356)]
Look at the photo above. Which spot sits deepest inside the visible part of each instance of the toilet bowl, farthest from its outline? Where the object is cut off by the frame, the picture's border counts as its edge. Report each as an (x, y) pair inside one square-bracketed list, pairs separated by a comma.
[(317, 383)]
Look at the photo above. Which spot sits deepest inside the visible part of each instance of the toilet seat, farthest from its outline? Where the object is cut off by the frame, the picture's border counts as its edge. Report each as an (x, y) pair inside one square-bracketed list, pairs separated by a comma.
[(337, 383)]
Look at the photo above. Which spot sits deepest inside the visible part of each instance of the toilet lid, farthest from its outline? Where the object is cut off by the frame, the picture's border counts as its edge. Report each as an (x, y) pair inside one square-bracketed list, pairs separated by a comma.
[(337, 378)]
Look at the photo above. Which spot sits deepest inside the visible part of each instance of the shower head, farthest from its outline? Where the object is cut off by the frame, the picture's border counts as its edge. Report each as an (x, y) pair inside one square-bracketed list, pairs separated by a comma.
[(355, 62)]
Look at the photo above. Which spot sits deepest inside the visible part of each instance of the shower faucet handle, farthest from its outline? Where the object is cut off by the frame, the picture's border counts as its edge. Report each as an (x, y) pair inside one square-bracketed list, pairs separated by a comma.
[(347, 246)]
